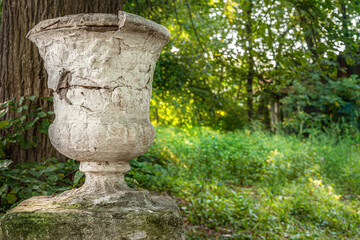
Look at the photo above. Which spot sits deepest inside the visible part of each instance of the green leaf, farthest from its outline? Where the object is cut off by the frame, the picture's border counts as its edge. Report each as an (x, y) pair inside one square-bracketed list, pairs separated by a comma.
[(3, 112), (22, 118), (32, 123), (41, 114), (53, 178), (44, 126), (21, 100), (32, 98), (4, 124), (350, 61), (19, 109), (52, 168), (49, 99), (77, 177), (5, 163), (11, 198), (4, 189)]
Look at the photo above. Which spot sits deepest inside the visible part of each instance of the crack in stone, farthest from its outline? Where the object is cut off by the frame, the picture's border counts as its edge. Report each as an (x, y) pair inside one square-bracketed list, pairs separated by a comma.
[(112, 88), (93, 87), (87, 27), (52, 24), (86, 108), (62, 91), (149, 69), (64, 86)]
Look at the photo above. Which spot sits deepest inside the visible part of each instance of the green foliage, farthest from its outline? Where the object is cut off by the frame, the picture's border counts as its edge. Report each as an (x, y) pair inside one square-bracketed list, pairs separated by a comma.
[(224, 55), (21, 120), (236, 185), (23, 180), (328, 105), (253, 185)]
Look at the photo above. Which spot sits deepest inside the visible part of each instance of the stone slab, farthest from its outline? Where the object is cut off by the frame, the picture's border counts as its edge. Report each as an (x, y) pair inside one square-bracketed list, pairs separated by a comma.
[(131, 215)]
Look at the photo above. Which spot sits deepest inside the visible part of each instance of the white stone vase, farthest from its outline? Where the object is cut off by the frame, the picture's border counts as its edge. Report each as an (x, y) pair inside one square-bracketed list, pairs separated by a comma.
[(100, 67)]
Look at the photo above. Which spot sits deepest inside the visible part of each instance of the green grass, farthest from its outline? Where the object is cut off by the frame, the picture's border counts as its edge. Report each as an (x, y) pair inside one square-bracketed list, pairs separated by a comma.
[(235, 185), (254, 185)]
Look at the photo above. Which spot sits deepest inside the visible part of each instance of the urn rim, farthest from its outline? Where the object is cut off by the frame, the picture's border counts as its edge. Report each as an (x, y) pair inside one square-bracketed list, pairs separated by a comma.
[(101, 22)]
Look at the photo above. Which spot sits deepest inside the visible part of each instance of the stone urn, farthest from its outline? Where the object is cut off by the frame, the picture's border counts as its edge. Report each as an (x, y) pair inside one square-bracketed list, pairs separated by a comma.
[(100, 68)]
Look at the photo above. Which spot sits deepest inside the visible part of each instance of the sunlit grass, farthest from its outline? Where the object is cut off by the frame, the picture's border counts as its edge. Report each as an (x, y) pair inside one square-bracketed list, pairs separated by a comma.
[(255, 185)]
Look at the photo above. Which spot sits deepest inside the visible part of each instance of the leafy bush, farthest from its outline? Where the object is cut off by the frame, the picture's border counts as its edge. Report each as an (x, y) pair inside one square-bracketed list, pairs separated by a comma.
[(23, 180), (329, 105), (20, 122)]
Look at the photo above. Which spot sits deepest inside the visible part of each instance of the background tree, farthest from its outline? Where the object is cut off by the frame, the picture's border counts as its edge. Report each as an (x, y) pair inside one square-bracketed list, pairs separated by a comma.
[(233, 61)]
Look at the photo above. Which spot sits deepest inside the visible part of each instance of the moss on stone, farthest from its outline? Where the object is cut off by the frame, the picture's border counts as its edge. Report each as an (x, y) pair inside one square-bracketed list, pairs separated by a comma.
[(106, 222)]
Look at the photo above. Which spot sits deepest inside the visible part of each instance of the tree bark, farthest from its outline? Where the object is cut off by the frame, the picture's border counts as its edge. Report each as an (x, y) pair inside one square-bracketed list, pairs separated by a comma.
[(22, 72)]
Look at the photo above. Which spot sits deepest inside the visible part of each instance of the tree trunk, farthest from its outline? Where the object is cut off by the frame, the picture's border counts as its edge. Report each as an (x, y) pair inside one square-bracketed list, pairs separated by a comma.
[(346, 69), (263, 112), (22, 72), (275, 115), (250, 60)]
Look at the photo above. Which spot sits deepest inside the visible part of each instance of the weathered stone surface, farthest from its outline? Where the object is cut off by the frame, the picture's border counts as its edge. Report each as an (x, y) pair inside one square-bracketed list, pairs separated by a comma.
[(101, 68), (128, 215)]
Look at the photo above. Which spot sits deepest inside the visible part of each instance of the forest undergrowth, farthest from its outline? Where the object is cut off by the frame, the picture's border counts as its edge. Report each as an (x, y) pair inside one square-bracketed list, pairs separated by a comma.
[(246, 184)]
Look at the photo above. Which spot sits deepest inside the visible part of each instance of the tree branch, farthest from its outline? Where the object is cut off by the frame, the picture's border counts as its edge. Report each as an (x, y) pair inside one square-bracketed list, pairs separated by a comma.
[(193, 26), (177, 17)]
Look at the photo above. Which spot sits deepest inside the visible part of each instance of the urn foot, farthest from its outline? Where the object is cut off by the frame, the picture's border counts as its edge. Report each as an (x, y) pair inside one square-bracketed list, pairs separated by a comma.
[(102, 178)]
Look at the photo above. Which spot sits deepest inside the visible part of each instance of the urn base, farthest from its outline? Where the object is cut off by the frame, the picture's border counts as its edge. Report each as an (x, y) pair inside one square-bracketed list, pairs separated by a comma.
[(127, 215)]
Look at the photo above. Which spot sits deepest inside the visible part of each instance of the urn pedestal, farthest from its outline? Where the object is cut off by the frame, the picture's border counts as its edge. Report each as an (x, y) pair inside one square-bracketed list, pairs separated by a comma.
[(100, 67)]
